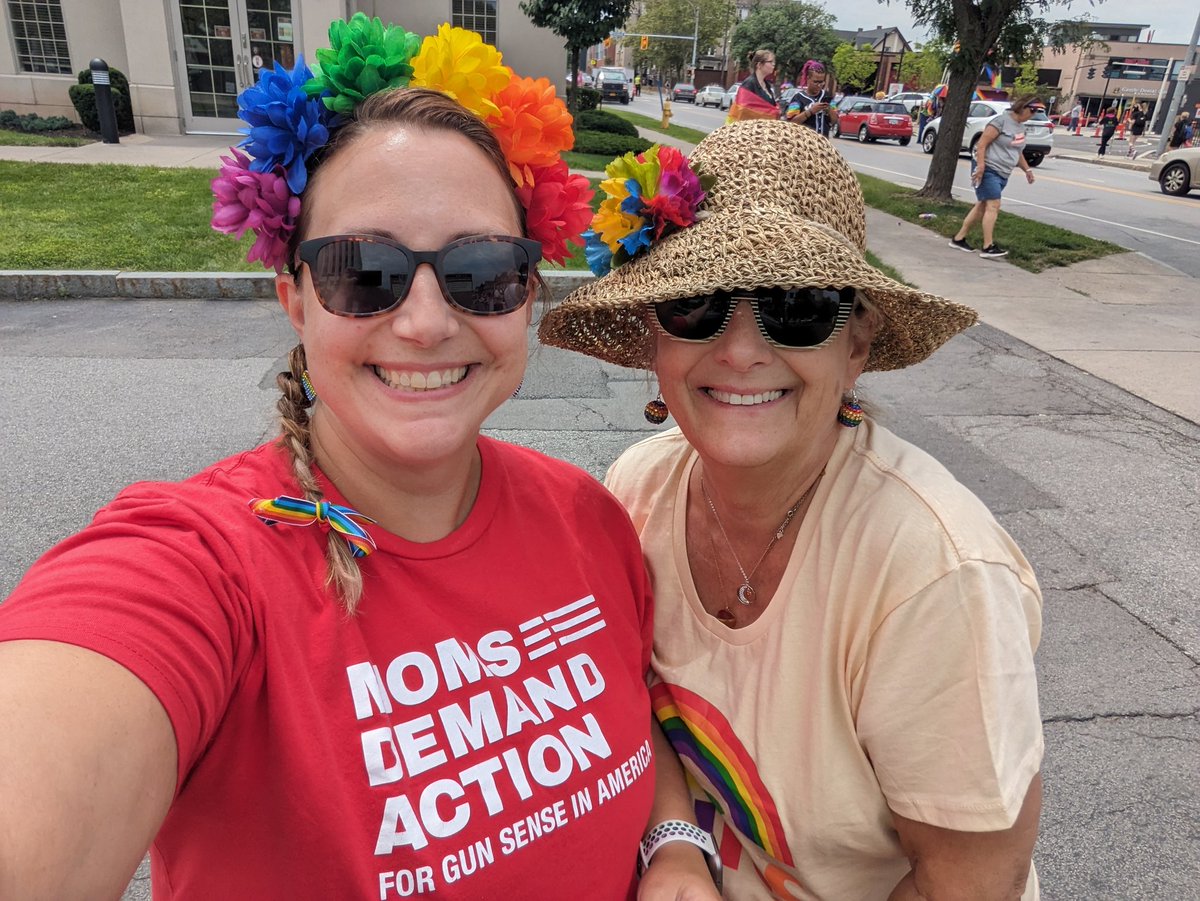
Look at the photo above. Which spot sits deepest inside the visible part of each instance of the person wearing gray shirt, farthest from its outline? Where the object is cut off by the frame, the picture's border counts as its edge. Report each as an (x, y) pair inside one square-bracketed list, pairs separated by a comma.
[(999, 150)]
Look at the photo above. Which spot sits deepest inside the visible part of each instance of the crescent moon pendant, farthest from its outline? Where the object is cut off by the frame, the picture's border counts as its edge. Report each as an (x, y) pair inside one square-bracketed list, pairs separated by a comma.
[(745, 595)]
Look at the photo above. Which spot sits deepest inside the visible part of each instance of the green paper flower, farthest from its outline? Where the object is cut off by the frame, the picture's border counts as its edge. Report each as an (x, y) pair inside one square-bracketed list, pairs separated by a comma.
[(365, 56)]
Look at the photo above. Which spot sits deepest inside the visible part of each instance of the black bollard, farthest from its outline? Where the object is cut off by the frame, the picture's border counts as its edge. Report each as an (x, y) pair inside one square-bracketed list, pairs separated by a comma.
[(104, 102)]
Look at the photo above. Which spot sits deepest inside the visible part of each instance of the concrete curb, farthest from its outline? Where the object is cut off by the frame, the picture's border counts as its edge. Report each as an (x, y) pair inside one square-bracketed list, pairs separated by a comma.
[(115, 284), (1133, 165)]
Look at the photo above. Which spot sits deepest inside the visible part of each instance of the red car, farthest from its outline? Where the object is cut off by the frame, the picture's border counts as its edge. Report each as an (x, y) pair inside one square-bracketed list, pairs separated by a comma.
[(872, 120)]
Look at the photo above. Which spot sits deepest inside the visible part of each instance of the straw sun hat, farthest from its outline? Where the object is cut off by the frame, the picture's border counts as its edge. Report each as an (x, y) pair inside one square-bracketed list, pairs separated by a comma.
[(785, 211)]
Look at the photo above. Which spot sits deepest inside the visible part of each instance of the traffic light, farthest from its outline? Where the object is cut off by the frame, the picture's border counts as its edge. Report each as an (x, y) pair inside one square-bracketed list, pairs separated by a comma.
[(1092, 72), (645, 42)]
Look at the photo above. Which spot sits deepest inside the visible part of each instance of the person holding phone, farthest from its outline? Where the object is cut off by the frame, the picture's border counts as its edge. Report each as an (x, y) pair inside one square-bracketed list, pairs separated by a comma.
[(812, 104), (367, 658)]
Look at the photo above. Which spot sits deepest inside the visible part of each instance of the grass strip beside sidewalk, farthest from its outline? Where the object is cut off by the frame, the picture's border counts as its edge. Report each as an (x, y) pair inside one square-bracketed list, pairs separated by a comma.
[(79, 216), (691, 135), (1031, 245)]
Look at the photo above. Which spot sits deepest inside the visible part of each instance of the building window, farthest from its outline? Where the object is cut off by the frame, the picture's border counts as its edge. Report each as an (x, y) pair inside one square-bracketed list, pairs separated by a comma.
[(40, 36), (476, 15)]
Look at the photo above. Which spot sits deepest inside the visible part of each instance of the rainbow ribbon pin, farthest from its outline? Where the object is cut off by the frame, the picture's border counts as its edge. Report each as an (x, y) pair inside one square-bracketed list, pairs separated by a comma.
[(296, 511)]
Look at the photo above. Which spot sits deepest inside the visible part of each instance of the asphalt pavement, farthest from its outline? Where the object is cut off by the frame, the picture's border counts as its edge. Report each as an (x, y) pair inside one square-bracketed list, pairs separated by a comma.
[(1072, 411)]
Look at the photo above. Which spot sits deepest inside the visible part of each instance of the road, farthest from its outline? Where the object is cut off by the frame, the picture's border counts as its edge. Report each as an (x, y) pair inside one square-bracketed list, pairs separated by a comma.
[(1096, 486), (1118, 205)]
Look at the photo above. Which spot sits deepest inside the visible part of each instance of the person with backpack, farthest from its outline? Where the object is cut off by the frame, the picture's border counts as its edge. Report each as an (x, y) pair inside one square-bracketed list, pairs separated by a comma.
[(1181, 131), (1108, 127)]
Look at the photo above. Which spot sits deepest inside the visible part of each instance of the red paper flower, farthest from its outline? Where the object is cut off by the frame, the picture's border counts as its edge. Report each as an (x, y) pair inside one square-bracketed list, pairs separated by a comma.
[(557, 208)]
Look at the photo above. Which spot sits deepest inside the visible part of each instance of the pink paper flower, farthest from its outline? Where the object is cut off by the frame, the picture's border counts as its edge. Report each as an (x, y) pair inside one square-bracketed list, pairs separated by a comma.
[(557, 208), (258, 201)]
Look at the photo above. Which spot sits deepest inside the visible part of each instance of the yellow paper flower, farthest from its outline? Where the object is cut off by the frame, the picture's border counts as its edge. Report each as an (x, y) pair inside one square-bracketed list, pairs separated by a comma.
[(457, 62), (612, 224)]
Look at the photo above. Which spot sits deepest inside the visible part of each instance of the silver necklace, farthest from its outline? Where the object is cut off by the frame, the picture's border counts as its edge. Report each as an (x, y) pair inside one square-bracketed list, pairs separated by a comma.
[(746, 593)]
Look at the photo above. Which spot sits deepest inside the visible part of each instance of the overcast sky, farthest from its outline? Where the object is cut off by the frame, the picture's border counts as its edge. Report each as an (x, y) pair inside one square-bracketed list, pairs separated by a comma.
[(1172, 20)]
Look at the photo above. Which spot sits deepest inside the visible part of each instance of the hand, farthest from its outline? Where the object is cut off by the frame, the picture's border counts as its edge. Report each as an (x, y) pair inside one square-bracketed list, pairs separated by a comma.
[(977, 176), (1029, 175), (819, 107), (677, 872)]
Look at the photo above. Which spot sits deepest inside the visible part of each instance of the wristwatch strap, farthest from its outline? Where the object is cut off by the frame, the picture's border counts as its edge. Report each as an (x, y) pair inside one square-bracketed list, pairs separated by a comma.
[(681, 831)]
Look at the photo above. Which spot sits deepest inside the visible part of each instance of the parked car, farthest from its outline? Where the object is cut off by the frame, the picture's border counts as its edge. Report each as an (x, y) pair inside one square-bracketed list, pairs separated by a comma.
[(871, 120), (912, 100), (613, 84), (711, 95), (1039, 131), (730, 94), (1177, 171), (582, 79), (684, 91)]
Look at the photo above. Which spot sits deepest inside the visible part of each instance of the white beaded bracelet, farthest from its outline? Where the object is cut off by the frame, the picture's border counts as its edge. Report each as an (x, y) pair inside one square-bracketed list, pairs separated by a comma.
[(681, 831)]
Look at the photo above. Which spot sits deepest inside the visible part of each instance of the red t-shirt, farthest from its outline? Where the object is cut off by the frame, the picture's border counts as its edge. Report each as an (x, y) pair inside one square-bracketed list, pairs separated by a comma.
[(478, 730)]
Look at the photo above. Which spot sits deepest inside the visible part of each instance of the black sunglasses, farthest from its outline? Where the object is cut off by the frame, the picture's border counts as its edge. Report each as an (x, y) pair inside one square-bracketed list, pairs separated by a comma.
[(795, 318), (365, 275)]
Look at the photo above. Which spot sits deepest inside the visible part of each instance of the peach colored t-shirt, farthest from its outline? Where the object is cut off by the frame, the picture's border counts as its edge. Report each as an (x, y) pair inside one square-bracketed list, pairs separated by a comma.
[(892, 671)]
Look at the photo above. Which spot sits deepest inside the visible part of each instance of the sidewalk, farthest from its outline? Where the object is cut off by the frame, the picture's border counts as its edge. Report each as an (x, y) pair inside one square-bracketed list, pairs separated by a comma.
[(1124, 318)]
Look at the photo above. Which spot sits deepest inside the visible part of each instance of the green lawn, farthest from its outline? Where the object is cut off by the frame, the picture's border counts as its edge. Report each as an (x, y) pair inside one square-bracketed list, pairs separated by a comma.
[(589, 162), (1030, 245), (691, 135), (64, 216), (139, 218), (9, 138)]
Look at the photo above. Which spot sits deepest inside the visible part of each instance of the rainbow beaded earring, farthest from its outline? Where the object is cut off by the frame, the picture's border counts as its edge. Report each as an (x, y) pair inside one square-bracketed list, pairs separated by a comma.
[(656, 411), (310, 393), (850, 414)]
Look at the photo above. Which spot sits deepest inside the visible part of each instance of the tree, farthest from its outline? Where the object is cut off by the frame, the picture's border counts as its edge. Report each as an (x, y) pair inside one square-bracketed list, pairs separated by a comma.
[(672, 56), (922, 69), (795, 32), (855, 68), (580, 23), (1027, 79), (993, 31)]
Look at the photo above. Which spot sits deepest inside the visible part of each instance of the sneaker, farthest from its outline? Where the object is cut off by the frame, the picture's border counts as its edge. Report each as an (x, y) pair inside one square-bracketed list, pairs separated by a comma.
[(961, 244), (994, 251)]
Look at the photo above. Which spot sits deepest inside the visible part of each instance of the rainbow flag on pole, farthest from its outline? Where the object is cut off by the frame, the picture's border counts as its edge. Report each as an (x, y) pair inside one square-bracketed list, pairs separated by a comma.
[(993, 77), (748, 105)]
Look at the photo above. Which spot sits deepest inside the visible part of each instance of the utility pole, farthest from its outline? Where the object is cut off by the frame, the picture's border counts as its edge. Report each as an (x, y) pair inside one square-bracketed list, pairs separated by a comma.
[(1189, 64), (695, 41)]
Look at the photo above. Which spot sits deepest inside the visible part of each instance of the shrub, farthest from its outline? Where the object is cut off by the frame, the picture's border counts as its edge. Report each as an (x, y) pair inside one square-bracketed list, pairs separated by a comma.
[(120, 92), (607, 144), (587, 99), (83, 97), (32, 122), (598, 120)]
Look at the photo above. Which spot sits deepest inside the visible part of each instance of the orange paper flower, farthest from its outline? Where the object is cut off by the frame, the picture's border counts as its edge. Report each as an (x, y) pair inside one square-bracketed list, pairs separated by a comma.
[(532, 125)]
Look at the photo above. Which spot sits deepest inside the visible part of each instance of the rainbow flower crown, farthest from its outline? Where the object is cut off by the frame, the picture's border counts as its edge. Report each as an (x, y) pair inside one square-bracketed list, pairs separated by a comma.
[(650, 196), (291, 114)]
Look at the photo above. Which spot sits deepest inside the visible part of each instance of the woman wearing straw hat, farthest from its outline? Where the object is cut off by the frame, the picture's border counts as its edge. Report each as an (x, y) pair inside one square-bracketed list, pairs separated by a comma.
[(844, 635)]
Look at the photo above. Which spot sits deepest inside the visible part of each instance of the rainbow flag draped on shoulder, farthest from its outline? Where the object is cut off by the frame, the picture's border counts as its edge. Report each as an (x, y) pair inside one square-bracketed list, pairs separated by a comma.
[(749, 105)]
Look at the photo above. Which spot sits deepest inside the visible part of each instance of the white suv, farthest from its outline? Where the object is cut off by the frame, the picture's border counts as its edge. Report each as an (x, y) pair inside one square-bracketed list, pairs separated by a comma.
[(1039, 131), (911, 99)]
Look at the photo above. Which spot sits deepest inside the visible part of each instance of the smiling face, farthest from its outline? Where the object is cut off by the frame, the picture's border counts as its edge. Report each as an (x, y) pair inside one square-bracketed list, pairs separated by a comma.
[(409, 388), (743, 403)]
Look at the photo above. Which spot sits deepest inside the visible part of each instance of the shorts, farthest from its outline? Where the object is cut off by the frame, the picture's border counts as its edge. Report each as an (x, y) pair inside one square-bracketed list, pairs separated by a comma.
[(991, 186)]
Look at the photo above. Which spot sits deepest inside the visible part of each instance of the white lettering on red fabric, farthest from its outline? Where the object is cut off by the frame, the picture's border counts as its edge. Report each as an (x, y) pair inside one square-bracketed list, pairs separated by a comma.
[(464, 697)]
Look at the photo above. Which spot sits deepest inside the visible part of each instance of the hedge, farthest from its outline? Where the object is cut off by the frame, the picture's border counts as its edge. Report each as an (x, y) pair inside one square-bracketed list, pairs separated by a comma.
[(607, 144), (83, 96), (598, 120), (32, 122)]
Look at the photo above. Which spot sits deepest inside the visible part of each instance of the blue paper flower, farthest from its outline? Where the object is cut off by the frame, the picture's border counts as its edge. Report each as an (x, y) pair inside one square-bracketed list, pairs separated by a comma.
[(639, 239), (286, 125), (599, 257)]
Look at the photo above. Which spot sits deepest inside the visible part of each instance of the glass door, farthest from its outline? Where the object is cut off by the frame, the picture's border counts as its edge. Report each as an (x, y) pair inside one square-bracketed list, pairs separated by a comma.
[(223, 44)]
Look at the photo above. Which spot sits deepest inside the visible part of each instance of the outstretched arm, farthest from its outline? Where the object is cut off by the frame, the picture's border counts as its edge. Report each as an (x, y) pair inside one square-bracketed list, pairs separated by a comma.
[(87, 771)]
